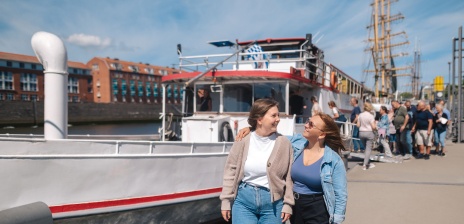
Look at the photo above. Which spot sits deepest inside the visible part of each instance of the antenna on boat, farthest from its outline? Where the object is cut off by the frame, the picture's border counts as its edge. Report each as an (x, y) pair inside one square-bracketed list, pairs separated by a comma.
[(52, 54)]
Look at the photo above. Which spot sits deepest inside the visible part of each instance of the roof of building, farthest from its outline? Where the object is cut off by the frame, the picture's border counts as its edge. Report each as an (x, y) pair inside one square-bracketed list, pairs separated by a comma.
[(138, 67), (33, 59)]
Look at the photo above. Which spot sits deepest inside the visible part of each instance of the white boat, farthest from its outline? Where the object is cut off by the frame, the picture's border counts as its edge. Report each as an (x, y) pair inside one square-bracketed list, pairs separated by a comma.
[(135, 181)]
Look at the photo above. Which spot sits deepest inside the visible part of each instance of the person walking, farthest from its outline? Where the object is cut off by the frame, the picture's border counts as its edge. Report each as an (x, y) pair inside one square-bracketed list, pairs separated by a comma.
[(441, 121), (357, 145), (366, 125), (423, 130), (392, 132), (383, 127), (400, 122), (316, 108), (257, 184)]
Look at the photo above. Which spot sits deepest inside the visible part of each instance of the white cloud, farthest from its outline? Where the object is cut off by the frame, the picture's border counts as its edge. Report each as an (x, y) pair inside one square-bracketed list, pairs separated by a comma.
[(89, 41)]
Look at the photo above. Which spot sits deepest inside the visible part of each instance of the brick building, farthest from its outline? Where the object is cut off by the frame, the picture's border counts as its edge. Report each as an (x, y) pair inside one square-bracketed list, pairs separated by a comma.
[(22, 79), (129, 82)]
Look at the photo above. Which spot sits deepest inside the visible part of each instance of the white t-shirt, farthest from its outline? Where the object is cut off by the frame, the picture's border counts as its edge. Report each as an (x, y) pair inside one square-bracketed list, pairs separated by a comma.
[(365, 119), (315, 109), (335, 111), (258, 155)]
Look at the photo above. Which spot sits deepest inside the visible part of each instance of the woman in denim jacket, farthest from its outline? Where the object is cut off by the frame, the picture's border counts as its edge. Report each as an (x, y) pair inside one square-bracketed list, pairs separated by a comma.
[(324, 152), (383, 126)]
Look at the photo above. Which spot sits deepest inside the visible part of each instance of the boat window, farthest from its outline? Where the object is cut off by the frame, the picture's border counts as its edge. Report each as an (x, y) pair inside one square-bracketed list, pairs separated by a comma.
[(275, 91), (237, 97), (206, 100)]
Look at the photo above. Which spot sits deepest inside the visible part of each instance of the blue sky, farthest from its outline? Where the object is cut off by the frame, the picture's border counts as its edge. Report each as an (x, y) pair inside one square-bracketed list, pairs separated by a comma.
[(149, 30)]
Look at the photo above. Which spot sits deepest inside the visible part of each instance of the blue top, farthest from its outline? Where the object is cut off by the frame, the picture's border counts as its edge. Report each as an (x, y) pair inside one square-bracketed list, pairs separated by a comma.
[(356, 110), (447, 112), (333, 178), (422, 119), (383, 123), (306, 179)]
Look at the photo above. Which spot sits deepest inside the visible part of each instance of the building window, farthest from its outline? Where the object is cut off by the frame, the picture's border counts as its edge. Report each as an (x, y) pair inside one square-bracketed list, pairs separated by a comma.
[(33, 66), (9, 64), (176, 94), (29, 82), (140, 88), (73, 85), (115, 86), (123, 88), (34, 98), (116, 66), (2, 96), (24, 97), (132, 88), (169, 94), (155, 89), (21, 65), (89, 85), (75, 99), (148, 89), (95, 67), (9, 96), (115, 99), (134, 68), (149, 71), (6, 80)]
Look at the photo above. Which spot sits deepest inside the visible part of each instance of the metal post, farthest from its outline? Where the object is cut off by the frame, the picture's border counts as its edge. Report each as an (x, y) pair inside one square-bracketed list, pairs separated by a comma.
[(449, 86), (163, 115), (453, 89), (460, 84)]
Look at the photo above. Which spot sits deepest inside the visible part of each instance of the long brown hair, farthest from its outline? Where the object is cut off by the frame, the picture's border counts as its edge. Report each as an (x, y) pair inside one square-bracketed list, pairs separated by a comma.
[(332, 133), (259, 109)]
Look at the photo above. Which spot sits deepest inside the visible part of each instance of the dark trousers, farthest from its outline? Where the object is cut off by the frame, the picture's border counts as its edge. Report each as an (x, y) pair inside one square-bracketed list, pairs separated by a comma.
[(309, 209)]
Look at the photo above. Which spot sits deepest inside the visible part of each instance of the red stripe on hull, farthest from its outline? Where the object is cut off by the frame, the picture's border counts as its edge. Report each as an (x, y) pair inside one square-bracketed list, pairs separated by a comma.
[(129, 201)]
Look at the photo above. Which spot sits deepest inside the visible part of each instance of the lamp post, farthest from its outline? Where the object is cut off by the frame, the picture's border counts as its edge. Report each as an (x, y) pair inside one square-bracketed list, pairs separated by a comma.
[(449, 84)]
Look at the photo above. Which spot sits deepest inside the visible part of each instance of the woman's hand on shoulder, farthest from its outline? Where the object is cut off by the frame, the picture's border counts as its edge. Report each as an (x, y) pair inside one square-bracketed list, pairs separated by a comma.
[(225, 215), (242, 133), (285, 216)]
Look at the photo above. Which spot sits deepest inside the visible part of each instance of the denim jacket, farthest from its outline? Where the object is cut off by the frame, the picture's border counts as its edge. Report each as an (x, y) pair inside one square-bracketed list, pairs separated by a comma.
[(333, 176)]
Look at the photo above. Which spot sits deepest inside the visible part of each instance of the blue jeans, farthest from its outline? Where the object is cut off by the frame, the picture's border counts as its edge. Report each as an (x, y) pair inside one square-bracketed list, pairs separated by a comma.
[(408, 140), (253, 205), (439, 138), (357, 142), (404, 141)]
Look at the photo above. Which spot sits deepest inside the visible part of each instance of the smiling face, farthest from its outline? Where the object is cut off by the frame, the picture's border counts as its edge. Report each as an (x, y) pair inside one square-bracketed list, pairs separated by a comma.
[(313, 128), (267, 124)]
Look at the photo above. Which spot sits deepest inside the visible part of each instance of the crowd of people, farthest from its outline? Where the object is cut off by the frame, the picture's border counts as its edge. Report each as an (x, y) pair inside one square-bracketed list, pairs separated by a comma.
[(404, 130)]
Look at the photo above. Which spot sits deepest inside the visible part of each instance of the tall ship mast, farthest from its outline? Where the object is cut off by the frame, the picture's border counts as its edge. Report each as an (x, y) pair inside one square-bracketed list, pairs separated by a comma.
[(382, 43)]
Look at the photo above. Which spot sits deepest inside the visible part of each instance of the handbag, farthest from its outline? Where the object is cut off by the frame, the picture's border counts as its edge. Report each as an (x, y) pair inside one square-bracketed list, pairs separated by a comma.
[(341, 118)]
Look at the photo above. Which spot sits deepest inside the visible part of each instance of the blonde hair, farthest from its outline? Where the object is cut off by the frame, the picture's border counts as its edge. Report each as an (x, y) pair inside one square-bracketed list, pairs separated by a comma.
[(368, 107)]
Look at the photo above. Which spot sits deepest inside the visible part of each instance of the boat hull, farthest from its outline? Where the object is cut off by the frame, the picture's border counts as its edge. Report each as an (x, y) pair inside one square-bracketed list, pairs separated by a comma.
[(198, 211), (95, 177)]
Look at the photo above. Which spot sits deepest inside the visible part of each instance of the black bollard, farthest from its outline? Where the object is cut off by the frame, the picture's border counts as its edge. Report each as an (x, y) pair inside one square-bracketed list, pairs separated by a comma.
[(34, 213)]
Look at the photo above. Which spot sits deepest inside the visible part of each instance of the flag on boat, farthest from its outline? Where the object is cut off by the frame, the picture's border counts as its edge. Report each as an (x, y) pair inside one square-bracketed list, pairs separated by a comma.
[(257, 57)]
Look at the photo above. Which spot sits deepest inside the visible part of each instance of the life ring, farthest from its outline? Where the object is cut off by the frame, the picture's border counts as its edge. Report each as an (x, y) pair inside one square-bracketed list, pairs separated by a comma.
[(333, 80)]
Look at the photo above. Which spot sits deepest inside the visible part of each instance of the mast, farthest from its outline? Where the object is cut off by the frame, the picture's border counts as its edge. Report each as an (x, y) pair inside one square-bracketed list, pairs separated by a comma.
[(381, 47)]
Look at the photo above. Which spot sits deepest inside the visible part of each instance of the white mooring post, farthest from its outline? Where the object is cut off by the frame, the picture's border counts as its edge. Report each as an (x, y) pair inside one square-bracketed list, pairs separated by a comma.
[(51, 52)]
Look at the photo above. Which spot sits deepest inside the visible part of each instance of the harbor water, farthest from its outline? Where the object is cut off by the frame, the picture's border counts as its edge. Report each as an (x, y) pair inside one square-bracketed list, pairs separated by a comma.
[(137, 128)]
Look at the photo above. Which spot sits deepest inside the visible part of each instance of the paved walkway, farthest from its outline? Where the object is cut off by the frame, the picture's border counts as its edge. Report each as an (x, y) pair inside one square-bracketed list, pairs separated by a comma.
[(415, 191)]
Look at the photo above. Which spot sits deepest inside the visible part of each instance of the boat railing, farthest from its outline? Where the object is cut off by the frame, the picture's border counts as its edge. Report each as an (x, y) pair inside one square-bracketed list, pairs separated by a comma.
[(207, 61), (91, 148)]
